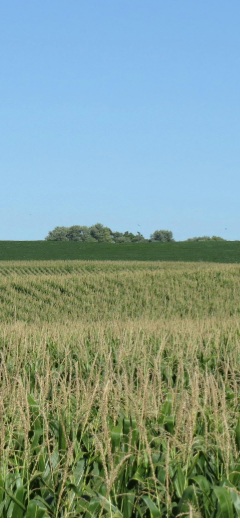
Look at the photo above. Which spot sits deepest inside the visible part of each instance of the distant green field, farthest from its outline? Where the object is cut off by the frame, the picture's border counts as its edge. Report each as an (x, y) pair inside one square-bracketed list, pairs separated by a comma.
[(220, 252)]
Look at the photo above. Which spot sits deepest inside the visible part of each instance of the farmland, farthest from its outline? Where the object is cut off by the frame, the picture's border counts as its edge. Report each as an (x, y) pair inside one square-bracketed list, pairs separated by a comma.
[(119, 389), (208, 251)]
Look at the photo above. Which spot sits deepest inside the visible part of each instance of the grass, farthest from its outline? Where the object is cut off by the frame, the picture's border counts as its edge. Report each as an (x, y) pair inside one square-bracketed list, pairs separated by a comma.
[(210, 251), (119, 389)]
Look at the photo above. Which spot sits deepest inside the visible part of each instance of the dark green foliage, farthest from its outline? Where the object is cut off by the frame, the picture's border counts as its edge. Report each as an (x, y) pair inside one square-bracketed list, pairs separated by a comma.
[(96, 233), (162, 236), (101, 234)]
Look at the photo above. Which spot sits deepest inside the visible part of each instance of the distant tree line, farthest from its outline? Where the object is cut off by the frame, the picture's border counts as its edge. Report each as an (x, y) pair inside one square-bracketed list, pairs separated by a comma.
[(206, 239), (100, 233)]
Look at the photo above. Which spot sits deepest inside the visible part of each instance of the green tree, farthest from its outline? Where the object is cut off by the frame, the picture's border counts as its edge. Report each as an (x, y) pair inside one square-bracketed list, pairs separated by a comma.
[(162, 236), (128, 235), (58, 234), (79, 233), (101, 234), (118, 237), (138, 238)]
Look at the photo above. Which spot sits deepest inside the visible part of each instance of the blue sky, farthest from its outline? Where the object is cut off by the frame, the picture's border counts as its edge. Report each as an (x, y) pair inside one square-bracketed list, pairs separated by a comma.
[(124, 112)]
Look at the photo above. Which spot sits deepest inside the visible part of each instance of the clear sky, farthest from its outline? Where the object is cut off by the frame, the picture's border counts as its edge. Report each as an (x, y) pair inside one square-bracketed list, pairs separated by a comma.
[(123, 112)]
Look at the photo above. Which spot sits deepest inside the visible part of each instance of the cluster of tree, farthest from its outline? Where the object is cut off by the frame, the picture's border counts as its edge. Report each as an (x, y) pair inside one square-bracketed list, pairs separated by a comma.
[(206, 239), (100, 233)]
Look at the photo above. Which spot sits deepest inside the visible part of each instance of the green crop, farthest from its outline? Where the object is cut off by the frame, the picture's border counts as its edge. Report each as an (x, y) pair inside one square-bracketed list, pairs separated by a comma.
[(119, 390), (208, 251)]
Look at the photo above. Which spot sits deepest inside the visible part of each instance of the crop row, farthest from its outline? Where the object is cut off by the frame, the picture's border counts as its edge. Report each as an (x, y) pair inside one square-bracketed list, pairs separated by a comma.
[(103, 295)]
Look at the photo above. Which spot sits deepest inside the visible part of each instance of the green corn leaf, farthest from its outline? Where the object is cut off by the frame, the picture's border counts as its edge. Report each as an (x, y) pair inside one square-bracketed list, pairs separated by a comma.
[(15, 500), (140, 474), (55, 460), (113, 511), (161, 474), (154, 510), (77, 476), (34, 511), (47, 489), (1, 489), (234, 477), (236, 500), (9, 510), (179, 482), (2, 511), (58, 430), (46, 504), (141, 511), (202, 483), (33, 405), (89, 491), (35, 439), (167, 405), (169, 423), (116, 436), (97, 470), (62, 442), (203, 491), (41, 462), (197, 464), (128, 504), (126, 426), (225, 504), (135, 432), (237, 434), (35, 412), (19, 507), (88, 508), (78, 471)]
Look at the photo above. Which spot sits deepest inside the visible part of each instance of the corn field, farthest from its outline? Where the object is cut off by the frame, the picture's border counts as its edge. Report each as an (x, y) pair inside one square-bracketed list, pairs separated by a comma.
[(119, 390)]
